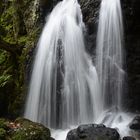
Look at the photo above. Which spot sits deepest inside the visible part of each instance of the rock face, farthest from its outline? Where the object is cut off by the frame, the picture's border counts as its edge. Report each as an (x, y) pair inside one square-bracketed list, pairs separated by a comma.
[(131, 12), (93, 132), (23, 129), (90, 11)]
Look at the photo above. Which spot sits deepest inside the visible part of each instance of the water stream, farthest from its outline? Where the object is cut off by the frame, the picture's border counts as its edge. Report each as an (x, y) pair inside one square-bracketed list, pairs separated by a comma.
[(109, 53), (110, 66), (64, 88)]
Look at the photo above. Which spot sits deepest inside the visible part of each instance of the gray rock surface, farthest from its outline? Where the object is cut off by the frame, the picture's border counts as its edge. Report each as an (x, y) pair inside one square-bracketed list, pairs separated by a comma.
[(93, 132)]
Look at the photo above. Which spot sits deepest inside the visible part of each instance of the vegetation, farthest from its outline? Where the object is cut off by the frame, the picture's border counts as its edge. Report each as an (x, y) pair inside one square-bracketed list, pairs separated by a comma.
[(19, 30), (23, 129)]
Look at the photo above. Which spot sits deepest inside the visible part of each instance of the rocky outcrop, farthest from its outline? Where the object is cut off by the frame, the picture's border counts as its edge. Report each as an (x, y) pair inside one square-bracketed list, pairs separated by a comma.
[(93, 132), (23, 129)]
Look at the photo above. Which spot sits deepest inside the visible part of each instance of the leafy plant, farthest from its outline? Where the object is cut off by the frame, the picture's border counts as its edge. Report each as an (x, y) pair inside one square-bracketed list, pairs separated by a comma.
[(4, 79), (2, 57)]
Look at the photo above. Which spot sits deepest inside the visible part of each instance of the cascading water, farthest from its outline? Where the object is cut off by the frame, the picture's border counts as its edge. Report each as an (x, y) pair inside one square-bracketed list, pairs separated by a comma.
[(109, 63), (64, 87), (110, 53), (64, 90)]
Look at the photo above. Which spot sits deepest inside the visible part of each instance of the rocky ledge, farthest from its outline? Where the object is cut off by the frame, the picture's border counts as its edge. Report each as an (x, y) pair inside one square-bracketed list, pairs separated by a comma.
[(23, 129)]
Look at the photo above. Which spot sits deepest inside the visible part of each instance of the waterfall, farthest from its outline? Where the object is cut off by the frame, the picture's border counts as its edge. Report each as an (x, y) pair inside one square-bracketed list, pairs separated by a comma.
[(109, 65), (64, 88), (109, 53)]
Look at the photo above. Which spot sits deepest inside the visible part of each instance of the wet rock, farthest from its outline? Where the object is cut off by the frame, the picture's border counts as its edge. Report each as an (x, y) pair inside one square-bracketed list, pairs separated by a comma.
[(135, 124), (93, 132), (129, 138), (90, 11)]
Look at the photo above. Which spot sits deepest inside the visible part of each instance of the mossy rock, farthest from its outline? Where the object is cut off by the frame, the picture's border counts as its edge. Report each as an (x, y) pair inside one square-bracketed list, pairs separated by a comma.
[(29, 130), (2, 134), (23, 129)]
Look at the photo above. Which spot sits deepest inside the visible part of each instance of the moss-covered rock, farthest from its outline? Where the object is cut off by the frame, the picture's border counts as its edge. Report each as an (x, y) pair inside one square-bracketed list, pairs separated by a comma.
[(31, 130), (2, 134), (3, 123), (23, 129)]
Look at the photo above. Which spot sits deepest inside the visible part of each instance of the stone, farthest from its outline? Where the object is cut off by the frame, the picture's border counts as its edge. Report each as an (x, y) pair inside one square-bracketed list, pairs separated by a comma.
[(2, 134), (30, 130), (128, 138), (93, 132), (135, 123), (23, 129)]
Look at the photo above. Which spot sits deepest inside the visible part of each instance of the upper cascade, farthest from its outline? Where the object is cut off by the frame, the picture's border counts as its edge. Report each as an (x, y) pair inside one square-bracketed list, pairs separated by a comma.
[(64, 89)]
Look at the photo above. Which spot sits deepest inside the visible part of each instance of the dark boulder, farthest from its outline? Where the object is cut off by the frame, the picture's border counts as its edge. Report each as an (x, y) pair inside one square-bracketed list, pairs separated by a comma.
[(135, 124), (93, 132), (129, 138)]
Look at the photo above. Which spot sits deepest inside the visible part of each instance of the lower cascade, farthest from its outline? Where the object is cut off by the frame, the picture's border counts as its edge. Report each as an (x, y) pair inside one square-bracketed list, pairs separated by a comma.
[(64, 89)]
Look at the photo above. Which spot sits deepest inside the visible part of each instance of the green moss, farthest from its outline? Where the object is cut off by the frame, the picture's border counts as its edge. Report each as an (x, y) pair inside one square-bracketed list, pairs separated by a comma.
[(4, 79), (22, 39), (2, 134), (23, 129), (30, 131), (2, 57), (3, 123), (20, 135), (16, 27), (7, 23)]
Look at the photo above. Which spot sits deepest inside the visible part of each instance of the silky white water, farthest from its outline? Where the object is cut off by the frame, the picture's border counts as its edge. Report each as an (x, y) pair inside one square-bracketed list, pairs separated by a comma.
[(109, 64), (64, 88), (109, 52)]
